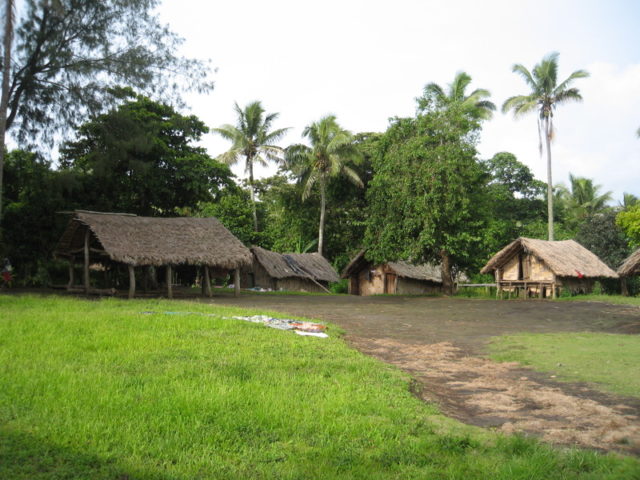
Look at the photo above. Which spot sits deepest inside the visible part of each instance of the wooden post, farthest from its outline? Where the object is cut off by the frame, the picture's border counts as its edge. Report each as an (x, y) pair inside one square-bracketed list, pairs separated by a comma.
[(553, 290), (87, 233), (132, 281), (541, 291), (71, 272), (207, 281), (236, 282), (169, 280)]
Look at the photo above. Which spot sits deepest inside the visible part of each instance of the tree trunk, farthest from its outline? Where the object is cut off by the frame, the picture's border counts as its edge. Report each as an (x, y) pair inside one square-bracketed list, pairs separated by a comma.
[(447, 279), (323, 207), (547, 135), (253, 197), (4, 96)]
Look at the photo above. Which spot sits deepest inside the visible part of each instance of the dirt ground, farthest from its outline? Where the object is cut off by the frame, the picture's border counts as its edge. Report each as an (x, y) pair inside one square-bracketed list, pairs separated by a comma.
[(441, 343)]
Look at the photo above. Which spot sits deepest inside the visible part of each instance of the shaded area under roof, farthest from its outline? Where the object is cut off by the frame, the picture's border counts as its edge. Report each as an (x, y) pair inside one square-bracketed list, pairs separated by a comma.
[(134, 240), (565, 258)]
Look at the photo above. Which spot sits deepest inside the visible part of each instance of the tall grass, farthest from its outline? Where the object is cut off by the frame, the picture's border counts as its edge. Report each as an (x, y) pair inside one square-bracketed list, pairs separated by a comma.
[(102, 390)]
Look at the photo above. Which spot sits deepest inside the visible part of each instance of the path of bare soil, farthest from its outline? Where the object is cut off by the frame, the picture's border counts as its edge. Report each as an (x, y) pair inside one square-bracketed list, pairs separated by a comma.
[(441, 343)]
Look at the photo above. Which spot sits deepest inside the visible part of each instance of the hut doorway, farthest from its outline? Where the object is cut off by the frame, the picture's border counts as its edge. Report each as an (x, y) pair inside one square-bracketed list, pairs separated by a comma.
[(354, 285), (520, 267), (390, 283)]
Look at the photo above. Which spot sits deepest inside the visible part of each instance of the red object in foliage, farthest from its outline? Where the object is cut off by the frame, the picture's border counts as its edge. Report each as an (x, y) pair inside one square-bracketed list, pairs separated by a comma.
[(6, 276), (580, 275)]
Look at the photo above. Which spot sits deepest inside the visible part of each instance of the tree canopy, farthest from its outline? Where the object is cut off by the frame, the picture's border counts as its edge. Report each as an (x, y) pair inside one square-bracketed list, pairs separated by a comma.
[(140, 158), (69, 54), (425, 198)]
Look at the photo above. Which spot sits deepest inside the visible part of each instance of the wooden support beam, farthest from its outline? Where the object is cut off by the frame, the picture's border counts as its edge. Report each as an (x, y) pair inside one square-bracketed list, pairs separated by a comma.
[(71, 274), (169, 281), (87, 234), (207, 281), (236, 282), (132, 281)]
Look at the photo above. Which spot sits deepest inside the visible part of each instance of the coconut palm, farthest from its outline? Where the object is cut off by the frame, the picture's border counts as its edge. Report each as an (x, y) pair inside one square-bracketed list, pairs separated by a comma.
[(582, 200), (253, 141), (332, 147), (546, 94), (475, 103), (4, 95)]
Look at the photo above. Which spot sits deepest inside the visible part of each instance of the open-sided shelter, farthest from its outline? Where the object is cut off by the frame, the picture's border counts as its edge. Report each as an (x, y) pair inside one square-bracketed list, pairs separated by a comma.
[(629, 268), (303, 272), (401, 277), (540, 267), (94, 237)]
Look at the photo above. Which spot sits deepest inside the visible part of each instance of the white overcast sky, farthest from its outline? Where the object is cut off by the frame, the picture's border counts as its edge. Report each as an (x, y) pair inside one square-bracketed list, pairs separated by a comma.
[(366, 61)]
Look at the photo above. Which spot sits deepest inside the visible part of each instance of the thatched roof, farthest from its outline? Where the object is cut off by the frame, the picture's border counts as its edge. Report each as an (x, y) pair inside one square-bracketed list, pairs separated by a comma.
[(301, 265), (426, 271), (631, 266), (565, 258), (137, 240)]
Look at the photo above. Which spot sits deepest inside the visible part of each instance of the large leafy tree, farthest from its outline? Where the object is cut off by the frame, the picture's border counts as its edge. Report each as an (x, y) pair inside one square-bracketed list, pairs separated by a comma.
[(546, 93), (629, 221), (140, 158), (475, 103), (69, 53), (427, 195), (332, 150), (253, 141), (515, 200), (581, 200)]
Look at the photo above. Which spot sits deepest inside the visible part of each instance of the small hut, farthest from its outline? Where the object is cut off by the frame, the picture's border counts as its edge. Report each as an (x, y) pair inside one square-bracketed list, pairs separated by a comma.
[(95, 237), (365, 278), (302, 272), (629, 268), (530, 267)]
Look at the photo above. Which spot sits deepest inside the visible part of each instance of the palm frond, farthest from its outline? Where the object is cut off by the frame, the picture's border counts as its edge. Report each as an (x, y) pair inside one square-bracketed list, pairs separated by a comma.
[(520, 104), (526, 75), (352, 176), (312, 179)]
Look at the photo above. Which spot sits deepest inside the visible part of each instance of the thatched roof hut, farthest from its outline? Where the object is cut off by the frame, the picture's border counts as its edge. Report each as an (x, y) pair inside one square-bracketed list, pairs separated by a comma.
[(289, 271), (631, 266), (541, 266), (145, 241), (400, 277)]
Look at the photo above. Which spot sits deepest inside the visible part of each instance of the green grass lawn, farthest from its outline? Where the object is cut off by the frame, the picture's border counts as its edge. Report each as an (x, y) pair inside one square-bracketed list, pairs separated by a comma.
[(610, 361), (101, 390), (616, 299)]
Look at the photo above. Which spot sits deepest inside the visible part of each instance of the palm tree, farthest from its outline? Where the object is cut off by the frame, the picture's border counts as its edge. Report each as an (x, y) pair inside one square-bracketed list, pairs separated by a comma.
[(4, 95), (546, 93), (252, 140), (331, 149), (582, 200), (475, 103)]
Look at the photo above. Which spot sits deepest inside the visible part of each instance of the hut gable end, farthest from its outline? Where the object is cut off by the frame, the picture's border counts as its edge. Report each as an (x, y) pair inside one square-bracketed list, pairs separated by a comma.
[(543, 258)]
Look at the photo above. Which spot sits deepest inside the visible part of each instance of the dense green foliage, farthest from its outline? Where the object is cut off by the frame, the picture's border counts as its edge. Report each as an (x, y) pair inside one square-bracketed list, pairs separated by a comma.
[(139, 158), (105, 390), (629, 221), (577, 357), (425, 198)]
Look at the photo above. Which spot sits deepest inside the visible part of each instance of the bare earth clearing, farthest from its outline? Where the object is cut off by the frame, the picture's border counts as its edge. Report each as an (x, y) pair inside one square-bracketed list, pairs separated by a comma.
[(441, 342)]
